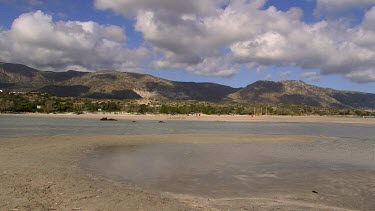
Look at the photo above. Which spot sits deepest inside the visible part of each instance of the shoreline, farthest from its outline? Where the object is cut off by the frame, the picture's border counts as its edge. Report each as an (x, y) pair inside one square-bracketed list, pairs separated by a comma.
[(207, 118), (44, 173)]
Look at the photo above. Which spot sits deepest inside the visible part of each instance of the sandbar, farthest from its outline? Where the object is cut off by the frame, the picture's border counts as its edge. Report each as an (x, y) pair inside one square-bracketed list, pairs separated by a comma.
[(44, 173)]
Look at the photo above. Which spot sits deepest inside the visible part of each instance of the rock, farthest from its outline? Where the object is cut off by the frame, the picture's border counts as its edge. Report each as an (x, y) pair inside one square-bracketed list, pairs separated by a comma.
[(314, 191), (107, 119), (161, 122)]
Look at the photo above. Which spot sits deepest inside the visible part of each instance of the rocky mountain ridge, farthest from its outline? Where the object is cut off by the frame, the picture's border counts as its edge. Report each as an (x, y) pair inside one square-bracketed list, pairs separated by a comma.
[(122, 85)]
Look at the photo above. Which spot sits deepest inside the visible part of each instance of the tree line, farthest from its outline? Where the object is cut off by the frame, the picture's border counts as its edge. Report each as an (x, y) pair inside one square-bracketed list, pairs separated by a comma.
[(45, 103)]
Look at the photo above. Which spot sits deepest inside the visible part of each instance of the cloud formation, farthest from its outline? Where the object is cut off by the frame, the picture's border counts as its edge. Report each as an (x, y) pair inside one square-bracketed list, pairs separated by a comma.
[(192, 34), (205, 37), (335, 7), (36, 40), (130, 8)]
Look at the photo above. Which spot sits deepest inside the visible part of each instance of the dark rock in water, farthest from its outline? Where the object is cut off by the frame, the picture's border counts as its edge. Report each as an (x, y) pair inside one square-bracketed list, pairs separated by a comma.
[(161, 122), (107, 119), (314, 191), (134, 121)]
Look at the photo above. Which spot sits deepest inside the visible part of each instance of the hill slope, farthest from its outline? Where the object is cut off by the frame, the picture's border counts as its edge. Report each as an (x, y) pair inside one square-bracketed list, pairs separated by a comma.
[(119, 85), (107, 84), (298, 92)]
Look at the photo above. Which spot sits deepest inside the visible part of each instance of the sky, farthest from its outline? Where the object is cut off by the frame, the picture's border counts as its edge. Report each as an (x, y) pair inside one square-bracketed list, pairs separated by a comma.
[(329, 43)]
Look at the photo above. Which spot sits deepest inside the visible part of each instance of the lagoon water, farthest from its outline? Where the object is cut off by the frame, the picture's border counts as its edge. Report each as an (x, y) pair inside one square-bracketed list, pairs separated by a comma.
[(21, 126), (341, 170)]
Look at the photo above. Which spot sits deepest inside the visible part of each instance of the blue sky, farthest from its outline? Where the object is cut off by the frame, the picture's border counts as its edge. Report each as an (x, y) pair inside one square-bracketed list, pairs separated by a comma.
[(154, 44)]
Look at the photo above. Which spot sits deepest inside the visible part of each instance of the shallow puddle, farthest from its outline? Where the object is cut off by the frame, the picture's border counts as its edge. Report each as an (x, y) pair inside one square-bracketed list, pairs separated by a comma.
[(335, 172)]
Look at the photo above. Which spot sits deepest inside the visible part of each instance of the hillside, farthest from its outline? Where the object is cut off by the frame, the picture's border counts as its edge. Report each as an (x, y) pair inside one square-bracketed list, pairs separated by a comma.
[(120, 85), (298, 92), (107, 84)]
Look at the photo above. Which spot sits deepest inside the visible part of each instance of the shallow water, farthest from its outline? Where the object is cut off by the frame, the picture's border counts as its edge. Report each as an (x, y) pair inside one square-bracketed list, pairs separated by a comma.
[(341, 170), (19, 126)]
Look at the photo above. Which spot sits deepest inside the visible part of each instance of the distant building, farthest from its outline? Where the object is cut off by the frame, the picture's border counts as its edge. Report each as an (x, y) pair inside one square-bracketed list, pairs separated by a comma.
[(39, 107)]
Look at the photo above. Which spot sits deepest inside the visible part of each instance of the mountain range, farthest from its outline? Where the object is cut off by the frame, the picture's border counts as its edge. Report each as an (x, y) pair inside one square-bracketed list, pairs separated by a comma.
[(122, 85)]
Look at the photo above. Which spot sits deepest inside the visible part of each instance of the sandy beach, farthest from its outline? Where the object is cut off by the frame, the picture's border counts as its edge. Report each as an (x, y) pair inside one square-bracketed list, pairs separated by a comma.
[(43, 173), (45, 168), (214, 118)]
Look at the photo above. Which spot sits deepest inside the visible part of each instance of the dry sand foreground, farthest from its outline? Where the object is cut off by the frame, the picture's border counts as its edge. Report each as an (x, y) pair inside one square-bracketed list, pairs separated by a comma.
[(43, 173), (220, 118)]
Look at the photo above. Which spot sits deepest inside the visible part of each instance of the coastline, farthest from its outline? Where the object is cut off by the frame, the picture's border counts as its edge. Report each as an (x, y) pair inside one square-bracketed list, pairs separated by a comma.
[(44, 173), (208, 118)]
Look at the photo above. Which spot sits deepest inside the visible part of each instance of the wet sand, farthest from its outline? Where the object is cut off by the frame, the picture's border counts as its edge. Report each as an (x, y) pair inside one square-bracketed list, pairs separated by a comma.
[(45, 173), (233, 172), (212, 118)]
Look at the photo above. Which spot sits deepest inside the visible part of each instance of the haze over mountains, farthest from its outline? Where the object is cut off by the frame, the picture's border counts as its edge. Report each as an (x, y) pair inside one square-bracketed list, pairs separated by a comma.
[(120, 85)]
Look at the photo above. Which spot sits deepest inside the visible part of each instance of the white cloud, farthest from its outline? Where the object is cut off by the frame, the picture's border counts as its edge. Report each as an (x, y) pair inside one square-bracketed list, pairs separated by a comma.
[(369, 20), (215, 66), (205, 37), (221, 66), (334, 7), (130, 8), (362, 76), (36, 40), (328, 46), (311, 76), (191, 38), (248, 34)]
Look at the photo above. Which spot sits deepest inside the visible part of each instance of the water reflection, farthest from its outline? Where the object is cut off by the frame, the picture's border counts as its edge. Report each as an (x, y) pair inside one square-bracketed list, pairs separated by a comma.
[(341, 171)]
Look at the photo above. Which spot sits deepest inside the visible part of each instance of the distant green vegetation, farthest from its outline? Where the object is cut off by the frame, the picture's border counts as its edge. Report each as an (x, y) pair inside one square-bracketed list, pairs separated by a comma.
[(45, 103)]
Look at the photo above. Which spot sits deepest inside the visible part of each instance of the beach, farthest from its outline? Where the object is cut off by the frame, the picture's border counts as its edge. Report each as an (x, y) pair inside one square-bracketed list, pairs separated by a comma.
[(212, 118), (49, 172), (43, 173)]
